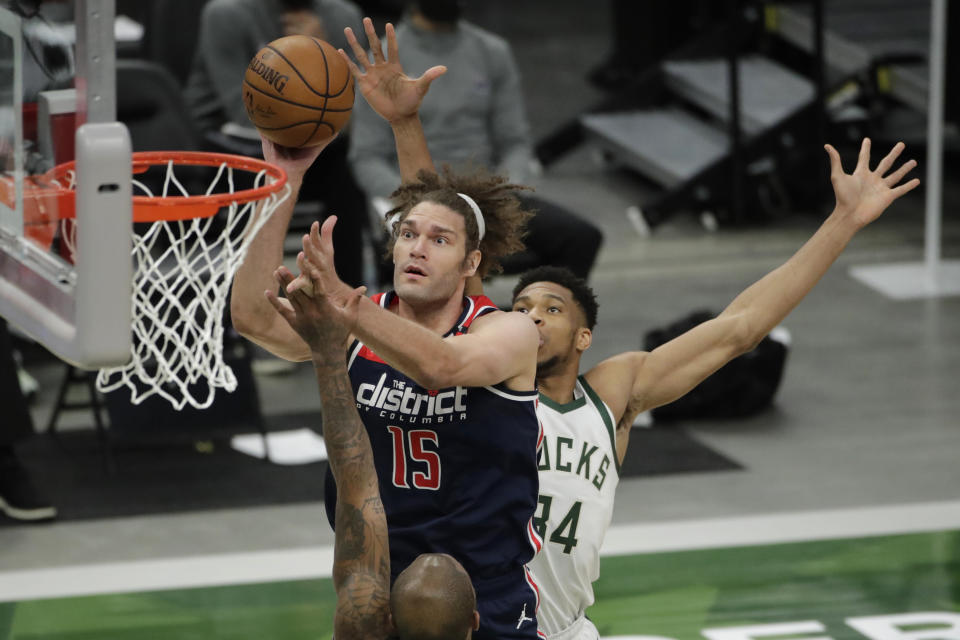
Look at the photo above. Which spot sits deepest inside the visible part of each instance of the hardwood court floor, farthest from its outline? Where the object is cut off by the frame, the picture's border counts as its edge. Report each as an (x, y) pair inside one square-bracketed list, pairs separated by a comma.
[(823, 587)]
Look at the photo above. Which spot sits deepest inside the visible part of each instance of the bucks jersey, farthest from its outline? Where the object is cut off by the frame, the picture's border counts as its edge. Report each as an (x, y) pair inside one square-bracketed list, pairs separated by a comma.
[(457, 466), (579, 472)]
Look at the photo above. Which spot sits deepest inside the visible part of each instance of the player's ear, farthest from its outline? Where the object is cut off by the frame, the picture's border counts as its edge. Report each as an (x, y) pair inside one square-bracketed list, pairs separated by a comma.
[(584, 339), (472, 262), (476, 620)]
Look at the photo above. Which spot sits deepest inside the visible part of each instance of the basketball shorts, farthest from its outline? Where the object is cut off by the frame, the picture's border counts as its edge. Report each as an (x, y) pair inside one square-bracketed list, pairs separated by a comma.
[(507, 606)]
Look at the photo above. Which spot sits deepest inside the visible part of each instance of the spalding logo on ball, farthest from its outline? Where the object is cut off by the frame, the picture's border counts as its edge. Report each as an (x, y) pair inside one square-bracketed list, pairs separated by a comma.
[(298, 91)]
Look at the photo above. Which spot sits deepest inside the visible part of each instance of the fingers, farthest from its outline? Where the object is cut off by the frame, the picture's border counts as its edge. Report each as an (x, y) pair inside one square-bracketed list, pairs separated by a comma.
[(301, 294), (431, 74), (291, 306), (287, 282), (309, 271), (393, 52), (889, 159), (836, 167), (863, 161), (318, 252), (304, 281), (373, 40), (283, 276), (284, 310), (905, 188), (358, 51), (267, 147), (354, 69), (353, 300), (894, 178), (325, 238), (302, 264)]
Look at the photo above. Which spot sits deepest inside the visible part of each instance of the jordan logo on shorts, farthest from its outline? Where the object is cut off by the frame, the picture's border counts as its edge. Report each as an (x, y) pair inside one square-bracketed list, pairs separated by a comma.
[(523, 616)]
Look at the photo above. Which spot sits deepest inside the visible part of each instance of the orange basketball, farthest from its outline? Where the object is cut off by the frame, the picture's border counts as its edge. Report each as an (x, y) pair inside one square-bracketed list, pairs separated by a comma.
[(298, 91)]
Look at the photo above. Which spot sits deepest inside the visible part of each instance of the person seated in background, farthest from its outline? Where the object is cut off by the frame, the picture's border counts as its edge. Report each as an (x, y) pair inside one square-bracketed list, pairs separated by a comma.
[(475, 117), (231, 33)]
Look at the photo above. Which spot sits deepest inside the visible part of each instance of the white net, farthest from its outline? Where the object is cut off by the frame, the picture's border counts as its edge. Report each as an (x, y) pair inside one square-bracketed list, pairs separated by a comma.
[(182, 275)]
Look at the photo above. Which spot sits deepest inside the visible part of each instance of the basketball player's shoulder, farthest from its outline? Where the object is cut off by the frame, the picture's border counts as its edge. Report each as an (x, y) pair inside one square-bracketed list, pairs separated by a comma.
[(622, 364), (485, 313), (613, 378)]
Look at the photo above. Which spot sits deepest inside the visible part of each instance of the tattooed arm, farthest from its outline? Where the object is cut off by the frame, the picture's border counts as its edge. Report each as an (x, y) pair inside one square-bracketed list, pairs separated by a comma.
[(361, 556)]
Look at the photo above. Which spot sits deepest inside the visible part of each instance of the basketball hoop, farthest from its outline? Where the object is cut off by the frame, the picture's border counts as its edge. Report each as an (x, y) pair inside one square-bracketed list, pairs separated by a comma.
[(185, 256)]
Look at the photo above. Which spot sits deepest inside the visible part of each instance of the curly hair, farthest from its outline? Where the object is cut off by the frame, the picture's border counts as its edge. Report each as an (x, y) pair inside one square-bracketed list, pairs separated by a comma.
[(503, 215), (583, 295)]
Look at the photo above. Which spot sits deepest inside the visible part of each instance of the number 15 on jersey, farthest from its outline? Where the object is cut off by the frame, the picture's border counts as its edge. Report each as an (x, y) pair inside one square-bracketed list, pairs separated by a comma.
[(415, 454)]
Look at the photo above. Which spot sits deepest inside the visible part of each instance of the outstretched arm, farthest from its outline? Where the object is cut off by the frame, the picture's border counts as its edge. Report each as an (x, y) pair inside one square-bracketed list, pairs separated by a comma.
[(361, 557), (252, 316), (393, 95), (648, 380), (499, 346)]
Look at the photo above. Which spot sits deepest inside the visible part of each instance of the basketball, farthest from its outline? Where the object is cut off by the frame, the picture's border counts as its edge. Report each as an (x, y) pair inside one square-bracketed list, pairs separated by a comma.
[(298, 91)]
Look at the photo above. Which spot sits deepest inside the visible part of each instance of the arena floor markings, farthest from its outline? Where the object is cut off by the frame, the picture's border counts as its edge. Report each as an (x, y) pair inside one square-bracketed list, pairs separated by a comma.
[(879, 588)]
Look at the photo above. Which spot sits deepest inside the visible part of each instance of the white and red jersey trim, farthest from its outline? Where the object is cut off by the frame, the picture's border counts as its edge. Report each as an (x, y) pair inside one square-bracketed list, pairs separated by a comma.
[(533, 586)]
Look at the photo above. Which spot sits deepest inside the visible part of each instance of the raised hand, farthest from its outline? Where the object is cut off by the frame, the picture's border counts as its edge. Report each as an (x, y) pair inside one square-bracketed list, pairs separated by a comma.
[(389, 91), (865, 194), (295, 161), (323, 323), (318, 275)]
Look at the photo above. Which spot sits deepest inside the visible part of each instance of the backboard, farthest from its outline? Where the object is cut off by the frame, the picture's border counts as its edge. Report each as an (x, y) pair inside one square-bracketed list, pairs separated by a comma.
[(65, 258)]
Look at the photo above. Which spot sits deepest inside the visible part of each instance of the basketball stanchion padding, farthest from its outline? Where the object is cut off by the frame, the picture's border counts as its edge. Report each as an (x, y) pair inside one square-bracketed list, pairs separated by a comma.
[(186, 249)]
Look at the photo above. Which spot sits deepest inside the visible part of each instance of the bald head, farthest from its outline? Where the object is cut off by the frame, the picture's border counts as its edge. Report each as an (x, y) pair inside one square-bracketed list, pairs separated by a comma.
[(433, 600)]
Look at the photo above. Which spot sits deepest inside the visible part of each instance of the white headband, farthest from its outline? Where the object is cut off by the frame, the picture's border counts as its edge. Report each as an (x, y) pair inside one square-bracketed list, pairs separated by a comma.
[(481, 225)]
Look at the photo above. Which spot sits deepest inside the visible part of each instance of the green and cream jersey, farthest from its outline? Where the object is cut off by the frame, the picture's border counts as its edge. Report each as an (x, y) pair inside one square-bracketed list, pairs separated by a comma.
[(579, 472)]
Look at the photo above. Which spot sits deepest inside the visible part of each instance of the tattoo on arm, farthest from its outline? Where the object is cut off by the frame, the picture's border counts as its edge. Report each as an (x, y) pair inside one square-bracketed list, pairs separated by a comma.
[(361, 565)]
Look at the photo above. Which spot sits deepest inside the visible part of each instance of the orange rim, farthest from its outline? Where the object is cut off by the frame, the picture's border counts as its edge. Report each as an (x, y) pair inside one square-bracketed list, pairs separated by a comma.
[(156, 208)]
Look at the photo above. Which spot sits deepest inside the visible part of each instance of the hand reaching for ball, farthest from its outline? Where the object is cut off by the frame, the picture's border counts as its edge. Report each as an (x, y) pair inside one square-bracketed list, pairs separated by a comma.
[(295, 161)]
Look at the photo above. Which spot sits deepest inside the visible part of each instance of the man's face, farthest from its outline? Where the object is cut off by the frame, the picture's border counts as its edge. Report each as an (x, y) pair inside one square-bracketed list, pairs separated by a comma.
[(558, 318), (429, 254)]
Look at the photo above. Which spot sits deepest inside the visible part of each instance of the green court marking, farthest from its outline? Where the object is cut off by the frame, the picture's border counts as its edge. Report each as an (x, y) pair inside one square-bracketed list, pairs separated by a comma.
[(288, 610), (675, 595), (678, 594)]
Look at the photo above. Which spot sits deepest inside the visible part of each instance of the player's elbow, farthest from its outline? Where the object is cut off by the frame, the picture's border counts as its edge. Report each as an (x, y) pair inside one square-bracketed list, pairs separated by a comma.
[(265, 334), (745, 333), (738, 332), (247, 322)]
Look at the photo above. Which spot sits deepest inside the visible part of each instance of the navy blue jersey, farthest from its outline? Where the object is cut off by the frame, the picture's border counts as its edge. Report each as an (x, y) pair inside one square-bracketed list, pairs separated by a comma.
[(457, 466)]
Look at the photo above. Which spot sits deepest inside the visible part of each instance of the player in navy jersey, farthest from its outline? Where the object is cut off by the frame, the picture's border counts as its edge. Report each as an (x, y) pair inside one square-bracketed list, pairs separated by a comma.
[(587, 418), (443, 382), (366, 607)]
